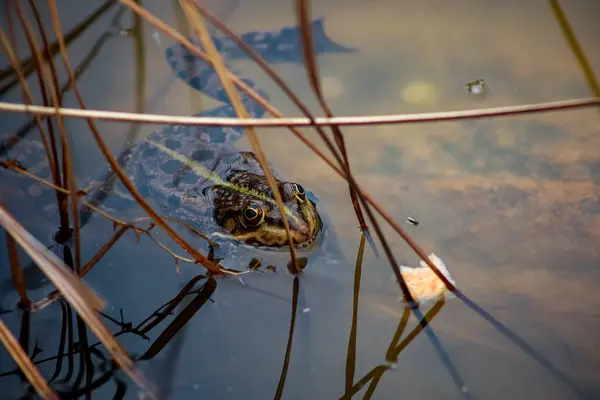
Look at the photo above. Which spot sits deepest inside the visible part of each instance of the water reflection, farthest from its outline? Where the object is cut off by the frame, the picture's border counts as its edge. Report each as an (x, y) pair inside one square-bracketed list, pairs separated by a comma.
[(81, 367), (511, 204)]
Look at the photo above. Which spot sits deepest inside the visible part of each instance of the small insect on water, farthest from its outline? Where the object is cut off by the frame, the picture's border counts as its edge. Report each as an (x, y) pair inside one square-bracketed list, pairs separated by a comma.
[(476, 87), (412, 221)]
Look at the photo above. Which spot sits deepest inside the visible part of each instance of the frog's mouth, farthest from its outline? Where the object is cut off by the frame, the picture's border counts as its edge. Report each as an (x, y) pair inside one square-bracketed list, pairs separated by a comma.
[(274, 237)]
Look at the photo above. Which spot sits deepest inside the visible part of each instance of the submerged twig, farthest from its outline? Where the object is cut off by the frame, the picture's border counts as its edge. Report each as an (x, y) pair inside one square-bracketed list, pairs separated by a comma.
[(79, 71), (181, 319), (15, 167), (125, 226)]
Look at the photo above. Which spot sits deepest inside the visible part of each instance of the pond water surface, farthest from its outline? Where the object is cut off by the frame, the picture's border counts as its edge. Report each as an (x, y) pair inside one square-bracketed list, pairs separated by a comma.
[(512, 206)]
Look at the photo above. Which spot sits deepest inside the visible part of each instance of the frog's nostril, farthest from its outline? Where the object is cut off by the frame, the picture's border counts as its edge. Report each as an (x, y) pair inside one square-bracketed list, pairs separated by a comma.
[(287, 191)]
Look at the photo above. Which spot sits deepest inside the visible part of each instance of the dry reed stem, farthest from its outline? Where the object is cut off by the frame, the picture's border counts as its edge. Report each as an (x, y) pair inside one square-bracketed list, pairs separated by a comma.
[(55, 295), (29, 98), (16, 271), (28, 66), (303, 12), (277, 122), (587, 69), (25, 364), (60, 181), (300, 122), (304, 122), (279, 81), (68, 172), (200, 28), (56, 271), (113, 161), (62, 190), (310, 64), (115, 221)]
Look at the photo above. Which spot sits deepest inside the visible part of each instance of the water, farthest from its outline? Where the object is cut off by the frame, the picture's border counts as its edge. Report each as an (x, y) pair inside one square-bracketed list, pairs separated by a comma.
[(511, 205)]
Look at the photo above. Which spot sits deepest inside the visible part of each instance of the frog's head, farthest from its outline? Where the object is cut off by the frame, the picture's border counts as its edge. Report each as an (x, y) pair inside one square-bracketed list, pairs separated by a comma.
[(246, 210)]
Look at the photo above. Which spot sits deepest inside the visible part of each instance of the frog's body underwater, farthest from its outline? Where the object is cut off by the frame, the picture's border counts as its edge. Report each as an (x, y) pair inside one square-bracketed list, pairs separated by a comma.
[(196, 175)]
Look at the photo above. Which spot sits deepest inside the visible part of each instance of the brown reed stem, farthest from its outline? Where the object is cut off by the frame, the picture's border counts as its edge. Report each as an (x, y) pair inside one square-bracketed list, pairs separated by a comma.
[(28, 96), (310, 63), (279, 121), (576, 48), (28, 66), (39, 62), (16, 270), (68, 172)]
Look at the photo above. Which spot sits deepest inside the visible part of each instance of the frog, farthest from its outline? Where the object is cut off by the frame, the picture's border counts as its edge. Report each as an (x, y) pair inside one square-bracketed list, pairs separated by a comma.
[(197, 174)]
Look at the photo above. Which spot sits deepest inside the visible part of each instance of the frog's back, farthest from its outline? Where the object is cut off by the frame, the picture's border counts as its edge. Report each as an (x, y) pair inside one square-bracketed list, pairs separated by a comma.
[(179, 162)]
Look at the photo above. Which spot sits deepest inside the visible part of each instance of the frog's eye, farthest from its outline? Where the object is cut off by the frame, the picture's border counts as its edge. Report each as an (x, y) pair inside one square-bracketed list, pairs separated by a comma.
[(298, 191), (252, 215)]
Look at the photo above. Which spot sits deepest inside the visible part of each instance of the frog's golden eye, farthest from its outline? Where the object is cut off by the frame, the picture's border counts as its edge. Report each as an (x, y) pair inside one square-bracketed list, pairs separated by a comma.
[(298, 191), (252, 215)]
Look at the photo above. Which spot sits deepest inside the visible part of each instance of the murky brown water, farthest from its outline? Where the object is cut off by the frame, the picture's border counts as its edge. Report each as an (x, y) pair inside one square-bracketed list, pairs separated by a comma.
[(512, 205)]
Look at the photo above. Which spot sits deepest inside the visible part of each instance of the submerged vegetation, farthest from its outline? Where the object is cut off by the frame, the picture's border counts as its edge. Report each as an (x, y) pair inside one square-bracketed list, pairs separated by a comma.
[(82, 365)]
